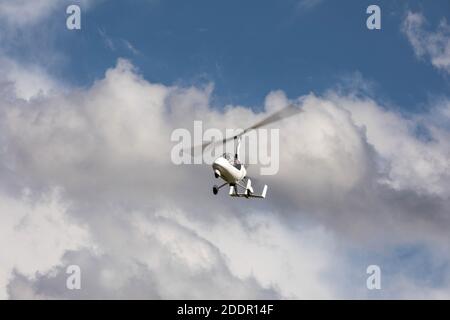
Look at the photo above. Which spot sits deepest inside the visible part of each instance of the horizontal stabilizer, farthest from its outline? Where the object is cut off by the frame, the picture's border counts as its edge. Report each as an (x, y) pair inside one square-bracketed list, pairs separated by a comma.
[(233, 193)]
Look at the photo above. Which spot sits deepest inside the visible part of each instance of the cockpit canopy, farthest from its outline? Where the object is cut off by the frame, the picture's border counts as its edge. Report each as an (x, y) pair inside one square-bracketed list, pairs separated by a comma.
[(228, 156), (232, 160)]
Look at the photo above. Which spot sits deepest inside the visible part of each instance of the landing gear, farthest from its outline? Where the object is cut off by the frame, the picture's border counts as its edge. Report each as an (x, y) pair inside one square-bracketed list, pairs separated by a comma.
[(217, 188)]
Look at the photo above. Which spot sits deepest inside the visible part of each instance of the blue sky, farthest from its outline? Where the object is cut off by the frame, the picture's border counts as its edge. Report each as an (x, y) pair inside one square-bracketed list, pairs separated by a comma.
[(249, 48)]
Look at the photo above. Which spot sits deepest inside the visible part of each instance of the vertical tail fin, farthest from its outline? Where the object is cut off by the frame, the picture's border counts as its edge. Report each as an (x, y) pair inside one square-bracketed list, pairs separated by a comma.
[(263, 195)]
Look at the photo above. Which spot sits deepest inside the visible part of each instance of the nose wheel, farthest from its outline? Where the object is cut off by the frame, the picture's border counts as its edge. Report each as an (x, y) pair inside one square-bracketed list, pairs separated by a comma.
[(217, 188)]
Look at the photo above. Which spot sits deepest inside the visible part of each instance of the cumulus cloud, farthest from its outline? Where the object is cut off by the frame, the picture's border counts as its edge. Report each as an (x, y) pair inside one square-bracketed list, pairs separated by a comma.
[(34, 236), (28, 39), (428, 44), (94, 135), (25, 12), (354, 177), (26, 81)]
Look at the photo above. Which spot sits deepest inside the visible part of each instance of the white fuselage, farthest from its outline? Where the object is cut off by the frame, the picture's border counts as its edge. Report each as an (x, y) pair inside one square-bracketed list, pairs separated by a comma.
[(228, 171)]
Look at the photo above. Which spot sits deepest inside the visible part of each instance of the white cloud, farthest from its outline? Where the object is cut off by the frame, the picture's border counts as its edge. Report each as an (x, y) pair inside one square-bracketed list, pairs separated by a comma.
[(34, 235), (353, 177), (296, 261), (428, 44), (27, 81), (412, 163), (25, 12)]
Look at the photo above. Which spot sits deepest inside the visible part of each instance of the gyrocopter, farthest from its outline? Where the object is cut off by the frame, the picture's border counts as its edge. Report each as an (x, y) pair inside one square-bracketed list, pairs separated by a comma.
[(230, 169)]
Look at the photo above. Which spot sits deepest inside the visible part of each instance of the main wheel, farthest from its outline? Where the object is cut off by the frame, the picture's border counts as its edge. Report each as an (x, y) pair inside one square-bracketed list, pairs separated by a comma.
[(215, 189)]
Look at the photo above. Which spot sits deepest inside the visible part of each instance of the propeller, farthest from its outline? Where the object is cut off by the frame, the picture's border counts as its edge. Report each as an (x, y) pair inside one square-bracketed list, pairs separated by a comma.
[(277, 116)]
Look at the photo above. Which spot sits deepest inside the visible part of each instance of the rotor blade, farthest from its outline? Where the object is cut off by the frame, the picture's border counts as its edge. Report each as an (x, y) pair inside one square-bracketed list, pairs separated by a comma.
[(203, 146), (277, 116)]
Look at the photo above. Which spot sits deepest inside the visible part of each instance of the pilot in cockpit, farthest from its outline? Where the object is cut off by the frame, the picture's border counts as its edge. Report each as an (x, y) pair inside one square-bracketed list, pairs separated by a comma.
[(234, 161)]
